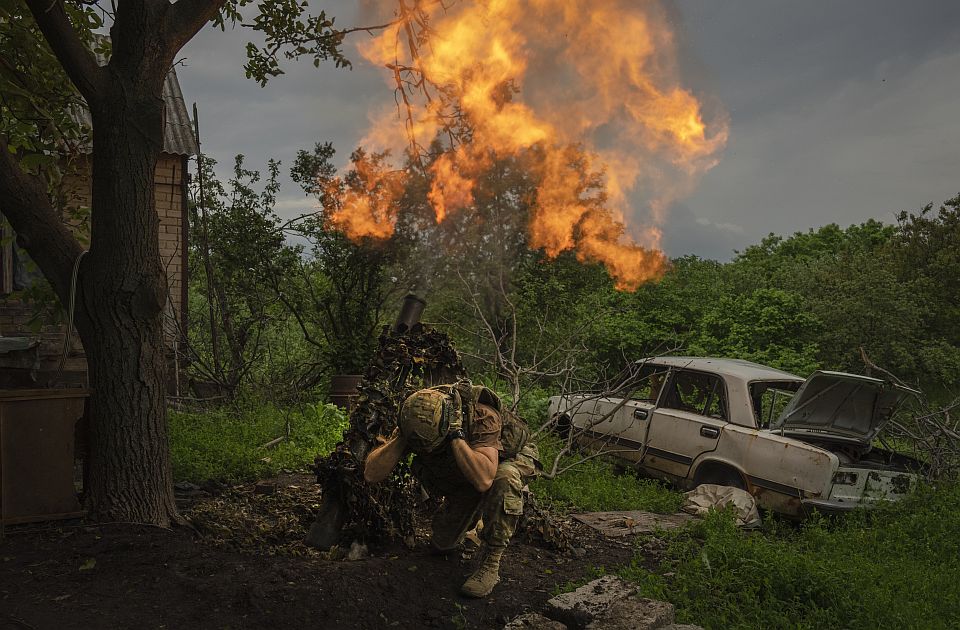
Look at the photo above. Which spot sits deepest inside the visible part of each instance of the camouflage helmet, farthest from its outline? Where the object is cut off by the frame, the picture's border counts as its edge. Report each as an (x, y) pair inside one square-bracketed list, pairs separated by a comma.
[(425, 418)]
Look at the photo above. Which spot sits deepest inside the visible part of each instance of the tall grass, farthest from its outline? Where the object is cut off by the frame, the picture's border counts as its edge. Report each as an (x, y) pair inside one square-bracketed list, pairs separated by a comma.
[(594, 485), (225, 444), (897, 567)]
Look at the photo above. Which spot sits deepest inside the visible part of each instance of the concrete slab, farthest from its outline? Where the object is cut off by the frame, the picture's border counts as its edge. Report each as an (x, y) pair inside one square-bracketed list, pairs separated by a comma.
[(617, 524), (579, 608), (634, 613), (534, 621)]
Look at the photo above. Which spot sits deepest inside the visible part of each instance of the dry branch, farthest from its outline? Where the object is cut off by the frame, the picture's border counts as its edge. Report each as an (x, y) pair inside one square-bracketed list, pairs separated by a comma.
[(925, 431)]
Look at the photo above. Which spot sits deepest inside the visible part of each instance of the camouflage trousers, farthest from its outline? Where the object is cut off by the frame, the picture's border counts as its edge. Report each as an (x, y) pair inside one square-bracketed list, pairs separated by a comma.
[(500, 507)]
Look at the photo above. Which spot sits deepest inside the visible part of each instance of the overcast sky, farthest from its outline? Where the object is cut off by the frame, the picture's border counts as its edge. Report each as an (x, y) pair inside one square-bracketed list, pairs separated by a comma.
[(839, 111)]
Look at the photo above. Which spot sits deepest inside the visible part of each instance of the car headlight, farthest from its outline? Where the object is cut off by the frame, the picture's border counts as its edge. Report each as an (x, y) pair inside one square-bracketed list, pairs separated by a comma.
[(845, 478)]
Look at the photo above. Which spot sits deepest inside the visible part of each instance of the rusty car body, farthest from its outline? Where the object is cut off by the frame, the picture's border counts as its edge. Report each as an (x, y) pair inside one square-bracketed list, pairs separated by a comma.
[(795, 444)]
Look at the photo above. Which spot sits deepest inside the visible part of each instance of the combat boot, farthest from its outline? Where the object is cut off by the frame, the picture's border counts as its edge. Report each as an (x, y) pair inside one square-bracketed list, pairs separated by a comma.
[(481, 583)]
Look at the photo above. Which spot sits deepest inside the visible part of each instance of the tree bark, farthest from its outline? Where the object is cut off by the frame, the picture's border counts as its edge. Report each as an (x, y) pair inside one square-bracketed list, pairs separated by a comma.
[(123, 293), (124, 288), (121, 288)]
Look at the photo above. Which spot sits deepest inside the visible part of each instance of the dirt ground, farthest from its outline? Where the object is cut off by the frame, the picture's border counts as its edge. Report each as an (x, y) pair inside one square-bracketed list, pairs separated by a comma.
[(245, 567)]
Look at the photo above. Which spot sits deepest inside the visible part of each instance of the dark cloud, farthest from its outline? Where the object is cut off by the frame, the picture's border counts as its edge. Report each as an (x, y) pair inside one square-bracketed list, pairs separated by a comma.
[(839, 111), (295, 110), (687, 233)]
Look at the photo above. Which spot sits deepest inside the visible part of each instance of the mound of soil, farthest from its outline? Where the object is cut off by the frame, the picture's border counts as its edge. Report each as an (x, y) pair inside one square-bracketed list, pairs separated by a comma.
[(245, 567)]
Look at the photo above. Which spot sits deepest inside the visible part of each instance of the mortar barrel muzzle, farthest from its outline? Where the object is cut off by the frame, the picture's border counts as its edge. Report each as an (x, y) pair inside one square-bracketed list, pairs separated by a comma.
[(410, 311)]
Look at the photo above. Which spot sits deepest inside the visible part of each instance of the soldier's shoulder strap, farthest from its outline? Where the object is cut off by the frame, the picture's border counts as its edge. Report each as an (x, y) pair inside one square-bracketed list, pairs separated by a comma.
[(486, 396)]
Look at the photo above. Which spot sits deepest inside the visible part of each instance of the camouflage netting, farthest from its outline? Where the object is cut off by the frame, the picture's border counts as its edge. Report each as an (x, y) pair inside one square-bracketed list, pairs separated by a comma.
[(539, 527), (404, 363)]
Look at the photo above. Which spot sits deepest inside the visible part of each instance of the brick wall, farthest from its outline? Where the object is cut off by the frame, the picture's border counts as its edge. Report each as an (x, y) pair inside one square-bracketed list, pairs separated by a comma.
[(76, 193), (168, 184)]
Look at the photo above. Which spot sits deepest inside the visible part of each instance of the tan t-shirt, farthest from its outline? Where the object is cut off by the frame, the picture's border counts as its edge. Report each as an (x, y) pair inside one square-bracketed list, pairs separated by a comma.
[(484, 430), (439, 472)]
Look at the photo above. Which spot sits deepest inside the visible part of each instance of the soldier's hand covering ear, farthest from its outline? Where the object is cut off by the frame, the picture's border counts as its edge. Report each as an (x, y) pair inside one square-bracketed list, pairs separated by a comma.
[(455, 424), (456, 418), (464, 387), (462, 396)]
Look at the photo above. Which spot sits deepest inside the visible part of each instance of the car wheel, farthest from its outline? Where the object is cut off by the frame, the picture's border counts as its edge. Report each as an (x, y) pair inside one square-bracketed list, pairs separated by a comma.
[(719, 475), (562, 427)]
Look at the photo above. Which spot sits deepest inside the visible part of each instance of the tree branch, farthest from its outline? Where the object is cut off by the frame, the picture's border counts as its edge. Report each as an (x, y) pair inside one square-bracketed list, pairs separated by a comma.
[(45, 237), (77, 61), (184, 19)]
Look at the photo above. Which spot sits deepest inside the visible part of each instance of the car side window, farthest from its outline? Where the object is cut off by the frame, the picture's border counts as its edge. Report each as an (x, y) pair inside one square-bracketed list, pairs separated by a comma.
[(716, 406), (647, 383), (770, 399), (699, 393)]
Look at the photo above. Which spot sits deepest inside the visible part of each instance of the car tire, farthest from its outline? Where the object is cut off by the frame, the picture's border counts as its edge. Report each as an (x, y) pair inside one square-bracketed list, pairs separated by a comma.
[(562, 427), (720, 475)]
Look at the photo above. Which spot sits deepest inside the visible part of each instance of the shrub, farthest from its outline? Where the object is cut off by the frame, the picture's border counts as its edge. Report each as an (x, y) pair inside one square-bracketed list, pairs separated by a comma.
[(594, 485), (226, 444), (896, 567)]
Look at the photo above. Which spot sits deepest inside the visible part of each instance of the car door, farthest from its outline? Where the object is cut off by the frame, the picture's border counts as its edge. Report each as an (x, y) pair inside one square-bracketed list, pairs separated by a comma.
[(618, 424), (692, 412), (629, 415)]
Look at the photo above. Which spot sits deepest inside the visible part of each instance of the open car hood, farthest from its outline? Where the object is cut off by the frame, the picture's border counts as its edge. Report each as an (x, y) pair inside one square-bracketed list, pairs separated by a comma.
[(847, 405)]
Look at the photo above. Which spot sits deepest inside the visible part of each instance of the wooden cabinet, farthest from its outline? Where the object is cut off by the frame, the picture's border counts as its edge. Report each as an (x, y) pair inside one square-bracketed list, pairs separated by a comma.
[(37, 428)]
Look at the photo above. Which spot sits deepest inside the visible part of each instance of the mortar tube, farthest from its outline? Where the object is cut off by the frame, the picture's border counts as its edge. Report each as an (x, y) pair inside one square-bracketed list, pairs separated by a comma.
[(410, 311)]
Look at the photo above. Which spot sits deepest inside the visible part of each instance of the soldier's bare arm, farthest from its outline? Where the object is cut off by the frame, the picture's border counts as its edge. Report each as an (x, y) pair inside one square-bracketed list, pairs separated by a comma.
[(478, 464), (384, 459)]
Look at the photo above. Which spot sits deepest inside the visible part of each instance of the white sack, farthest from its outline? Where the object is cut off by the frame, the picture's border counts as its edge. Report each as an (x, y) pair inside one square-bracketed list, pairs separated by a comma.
[(701, 499)]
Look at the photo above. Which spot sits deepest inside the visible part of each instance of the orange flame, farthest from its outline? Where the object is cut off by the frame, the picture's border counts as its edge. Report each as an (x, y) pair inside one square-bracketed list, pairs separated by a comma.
[(600, 74), (449, 190), (366, 208)]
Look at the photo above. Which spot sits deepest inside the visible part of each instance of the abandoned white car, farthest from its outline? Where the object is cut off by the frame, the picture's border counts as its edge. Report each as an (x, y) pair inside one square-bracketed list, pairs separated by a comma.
[(794, 444)]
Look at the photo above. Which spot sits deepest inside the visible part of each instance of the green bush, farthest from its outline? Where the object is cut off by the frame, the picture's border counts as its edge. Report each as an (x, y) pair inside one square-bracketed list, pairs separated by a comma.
[(594, 486), (533, 405), (898, 567), (226, 444)]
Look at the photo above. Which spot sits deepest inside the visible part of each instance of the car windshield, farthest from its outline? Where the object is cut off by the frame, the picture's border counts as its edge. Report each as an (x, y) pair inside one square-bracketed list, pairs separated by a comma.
[(770, 398)]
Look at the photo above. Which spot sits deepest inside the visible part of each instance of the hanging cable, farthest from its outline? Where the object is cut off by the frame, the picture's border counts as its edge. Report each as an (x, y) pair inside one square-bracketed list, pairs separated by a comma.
[(70, 308)]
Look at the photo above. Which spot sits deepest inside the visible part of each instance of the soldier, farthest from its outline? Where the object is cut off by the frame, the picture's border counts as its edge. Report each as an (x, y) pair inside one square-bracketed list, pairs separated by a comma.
[(476, 455)]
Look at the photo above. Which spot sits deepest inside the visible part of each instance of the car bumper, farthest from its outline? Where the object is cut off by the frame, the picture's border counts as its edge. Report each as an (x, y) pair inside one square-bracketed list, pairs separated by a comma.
[(828, 506)]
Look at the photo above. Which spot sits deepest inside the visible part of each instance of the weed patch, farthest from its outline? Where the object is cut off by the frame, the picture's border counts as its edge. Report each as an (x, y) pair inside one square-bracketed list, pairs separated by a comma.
[(896, 567), (225, 444), (594, 486)]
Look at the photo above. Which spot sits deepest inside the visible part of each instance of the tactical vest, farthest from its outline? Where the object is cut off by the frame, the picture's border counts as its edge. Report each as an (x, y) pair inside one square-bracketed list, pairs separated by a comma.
[(514, 432)]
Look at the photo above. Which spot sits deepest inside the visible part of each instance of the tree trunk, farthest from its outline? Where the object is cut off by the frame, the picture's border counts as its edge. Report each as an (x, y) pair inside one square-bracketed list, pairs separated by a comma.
[(121, 288), (124, 292)]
